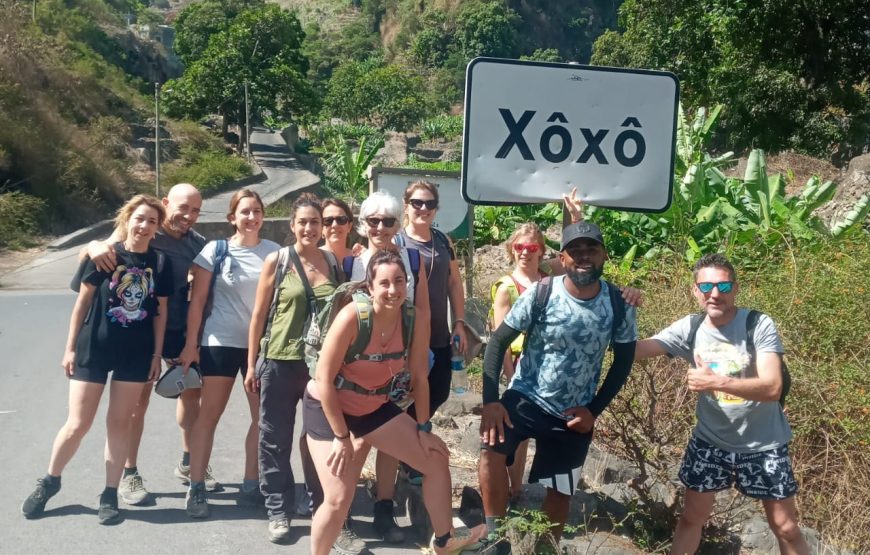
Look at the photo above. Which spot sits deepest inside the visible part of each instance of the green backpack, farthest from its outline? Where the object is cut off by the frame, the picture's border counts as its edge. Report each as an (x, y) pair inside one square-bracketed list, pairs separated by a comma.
[(319, 326)]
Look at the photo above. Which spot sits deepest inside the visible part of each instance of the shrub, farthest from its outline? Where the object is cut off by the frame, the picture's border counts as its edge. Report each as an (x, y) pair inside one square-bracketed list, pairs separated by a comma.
[(208, 170), (21, 216), (442, 127)]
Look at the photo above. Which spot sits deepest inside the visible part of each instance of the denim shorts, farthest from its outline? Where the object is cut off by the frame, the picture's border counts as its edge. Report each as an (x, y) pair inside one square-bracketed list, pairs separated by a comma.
[(763, 475)]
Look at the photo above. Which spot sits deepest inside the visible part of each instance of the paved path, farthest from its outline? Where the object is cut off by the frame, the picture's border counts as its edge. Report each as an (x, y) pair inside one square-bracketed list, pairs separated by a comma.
[(284, 174)]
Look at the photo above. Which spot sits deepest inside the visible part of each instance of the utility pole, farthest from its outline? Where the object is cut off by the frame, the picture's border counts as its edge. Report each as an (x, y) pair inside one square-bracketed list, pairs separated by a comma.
[(33, 12), (157, 140), (247, 122)]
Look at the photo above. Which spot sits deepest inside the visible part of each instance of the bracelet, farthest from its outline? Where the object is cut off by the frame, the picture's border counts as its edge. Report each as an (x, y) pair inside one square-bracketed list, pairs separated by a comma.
[(155, 355), (458, 321), (426, 427), (345, 436)]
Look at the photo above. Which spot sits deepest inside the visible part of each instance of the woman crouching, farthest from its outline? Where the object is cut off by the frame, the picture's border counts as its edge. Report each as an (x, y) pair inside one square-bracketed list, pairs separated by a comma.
[(344, 421)]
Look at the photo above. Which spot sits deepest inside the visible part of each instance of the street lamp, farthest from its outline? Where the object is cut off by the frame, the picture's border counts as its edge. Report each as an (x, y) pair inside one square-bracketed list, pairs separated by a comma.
[(157, 140), (247, 122)]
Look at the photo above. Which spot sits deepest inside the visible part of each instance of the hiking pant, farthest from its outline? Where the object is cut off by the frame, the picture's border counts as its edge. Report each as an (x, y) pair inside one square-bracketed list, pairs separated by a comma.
[(282, 384)]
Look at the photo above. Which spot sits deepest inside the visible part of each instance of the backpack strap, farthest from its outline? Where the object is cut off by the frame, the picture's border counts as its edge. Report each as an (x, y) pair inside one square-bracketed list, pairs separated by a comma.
[(347, 267), (539, 307), (442, 238), (309, 291), (364, 312), (617, 305), (695, 321), (281, 267), (751, 321), (414, 261)]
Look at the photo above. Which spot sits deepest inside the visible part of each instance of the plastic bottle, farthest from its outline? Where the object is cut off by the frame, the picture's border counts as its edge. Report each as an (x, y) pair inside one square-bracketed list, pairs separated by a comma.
[(459, 376)]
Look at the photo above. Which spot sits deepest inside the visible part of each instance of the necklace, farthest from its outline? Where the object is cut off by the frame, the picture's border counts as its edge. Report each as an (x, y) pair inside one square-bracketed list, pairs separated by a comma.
[(385, 338)]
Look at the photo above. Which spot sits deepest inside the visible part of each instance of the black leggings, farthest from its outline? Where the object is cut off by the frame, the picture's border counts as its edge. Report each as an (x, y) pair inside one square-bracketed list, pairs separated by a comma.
[(439, 381)]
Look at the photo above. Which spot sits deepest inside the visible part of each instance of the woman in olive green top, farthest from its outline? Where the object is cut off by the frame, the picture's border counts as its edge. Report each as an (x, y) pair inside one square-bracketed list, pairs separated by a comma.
[(281, 379)]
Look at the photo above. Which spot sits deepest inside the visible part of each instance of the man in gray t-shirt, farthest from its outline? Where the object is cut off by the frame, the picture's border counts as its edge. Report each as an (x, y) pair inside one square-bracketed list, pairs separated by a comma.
[(741, 437)]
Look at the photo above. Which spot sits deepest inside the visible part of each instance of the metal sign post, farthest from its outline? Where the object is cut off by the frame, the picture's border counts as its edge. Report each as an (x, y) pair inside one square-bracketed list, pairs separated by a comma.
[(533, 130)]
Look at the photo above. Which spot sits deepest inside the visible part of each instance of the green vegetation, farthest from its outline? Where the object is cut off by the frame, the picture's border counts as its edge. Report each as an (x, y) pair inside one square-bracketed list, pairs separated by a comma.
[(793, 75), (21, 219), (208, 169), (346, 167), (226, 46), (442, 127)]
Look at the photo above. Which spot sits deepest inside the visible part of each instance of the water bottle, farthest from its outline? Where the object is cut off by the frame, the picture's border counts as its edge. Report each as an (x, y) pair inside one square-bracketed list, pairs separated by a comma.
[(459, 377)]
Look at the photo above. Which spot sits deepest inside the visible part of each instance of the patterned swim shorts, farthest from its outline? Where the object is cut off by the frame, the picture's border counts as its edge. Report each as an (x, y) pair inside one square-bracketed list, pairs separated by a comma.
[(762, 475)]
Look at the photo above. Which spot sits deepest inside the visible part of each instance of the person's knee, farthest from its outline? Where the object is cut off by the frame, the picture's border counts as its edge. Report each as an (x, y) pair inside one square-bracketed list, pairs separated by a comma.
[(691, 518), (435, 463), (784, 527), (77, 428)]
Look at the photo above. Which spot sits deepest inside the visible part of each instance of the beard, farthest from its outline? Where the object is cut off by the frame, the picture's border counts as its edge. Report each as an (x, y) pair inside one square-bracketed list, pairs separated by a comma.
[(582, 279)]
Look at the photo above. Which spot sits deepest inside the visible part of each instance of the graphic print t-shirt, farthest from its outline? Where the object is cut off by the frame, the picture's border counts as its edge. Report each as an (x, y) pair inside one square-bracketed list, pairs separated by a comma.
[(120, 324), (727, 421), (562, 363)]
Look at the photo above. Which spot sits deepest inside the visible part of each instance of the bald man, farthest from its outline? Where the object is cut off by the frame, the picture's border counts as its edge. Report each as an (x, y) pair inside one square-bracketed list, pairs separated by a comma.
[(180, 243)]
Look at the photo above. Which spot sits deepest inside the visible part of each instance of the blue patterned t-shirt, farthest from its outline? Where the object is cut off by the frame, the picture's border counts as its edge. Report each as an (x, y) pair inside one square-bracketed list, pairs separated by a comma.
[(561, 365)]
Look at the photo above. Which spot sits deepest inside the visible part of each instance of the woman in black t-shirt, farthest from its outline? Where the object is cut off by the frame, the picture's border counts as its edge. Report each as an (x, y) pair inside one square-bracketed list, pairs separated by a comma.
[(117, 326)]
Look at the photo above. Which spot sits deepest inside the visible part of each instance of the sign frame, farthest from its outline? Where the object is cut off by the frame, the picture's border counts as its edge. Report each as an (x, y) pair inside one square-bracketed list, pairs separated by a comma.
[(469, 83)]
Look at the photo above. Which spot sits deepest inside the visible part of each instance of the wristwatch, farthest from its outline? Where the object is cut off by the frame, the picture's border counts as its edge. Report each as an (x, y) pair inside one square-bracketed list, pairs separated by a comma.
[(427, 427)]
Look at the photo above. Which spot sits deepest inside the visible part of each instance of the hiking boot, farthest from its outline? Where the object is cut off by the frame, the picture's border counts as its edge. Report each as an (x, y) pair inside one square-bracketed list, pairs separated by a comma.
[(279, 530), (385, 522), (347, 542), (252, 498), (132, 490), (108, 514), (196, 503), (182, 472), (462, 539), (34, 505)]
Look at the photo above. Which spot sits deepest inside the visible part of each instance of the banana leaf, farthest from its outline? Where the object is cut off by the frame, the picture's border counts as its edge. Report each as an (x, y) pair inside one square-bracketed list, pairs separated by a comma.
[(856, 216)]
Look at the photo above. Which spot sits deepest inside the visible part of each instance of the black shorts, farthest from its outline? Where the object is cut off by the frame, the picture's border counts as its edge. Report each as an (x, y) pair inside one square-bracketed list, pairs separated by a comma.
[(135, 370), (316, 426), (173, 344), (559, 451), (224, 362), (763, 475)]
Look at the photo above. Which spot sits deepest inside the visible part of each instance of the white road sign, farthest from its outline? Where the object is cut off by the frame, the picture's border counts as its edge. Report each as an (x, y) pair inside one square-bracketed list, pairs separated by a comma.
[(452, 215), (534, 129)]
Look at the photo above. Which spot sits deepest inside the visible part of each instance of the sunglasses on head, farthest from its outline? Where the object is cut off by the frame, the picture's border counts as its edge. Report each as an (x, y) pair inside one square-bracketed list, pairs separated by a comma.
[(340, 220), (707, 286), (531, 247), (375, 222), (418, 203)]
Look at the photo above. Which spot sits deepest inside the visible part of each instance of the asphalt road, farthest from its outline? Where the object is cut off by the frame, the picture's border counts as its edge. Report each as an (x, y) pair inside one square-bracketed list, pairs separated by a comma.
[(33, 406)]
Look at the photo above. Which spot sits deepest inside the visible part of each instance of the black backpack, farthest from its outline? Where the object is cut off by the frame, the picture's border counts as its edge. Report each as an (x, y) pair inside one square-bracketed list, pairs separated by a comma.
[(542, 296), (751, 321)]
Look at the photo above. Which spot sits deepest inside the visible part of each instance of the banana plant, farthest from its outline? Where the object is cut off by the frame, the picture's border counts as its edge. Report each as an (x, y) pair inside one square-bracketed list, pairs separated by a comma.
[(345, 168), (854, 217)]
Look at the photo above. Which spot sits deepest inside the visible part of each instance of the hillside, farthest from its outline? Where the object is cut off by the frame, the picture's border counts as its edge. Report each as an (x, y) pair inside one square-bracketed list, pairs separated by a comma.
[(76, 101)]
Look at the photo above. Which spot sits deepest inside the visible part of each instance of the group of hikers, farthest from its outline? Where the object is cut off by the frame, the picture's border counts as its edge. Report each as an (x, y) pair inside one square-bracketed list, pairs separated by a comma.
[(362, 336)]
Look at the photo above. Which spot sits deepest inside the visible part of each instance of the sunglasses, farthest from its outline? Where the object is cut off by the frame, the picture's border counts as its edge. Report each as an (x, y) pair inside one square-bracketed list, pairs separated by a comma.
[(340, 220), (531, 247), (723, 286), (375, 222), (417, 203)]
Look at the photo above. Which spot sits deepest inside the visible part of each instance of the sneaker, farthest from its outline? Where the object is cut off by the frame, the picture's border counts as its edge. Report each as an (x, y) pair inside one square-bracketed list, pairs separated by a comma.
[(347, 542), (490, 545), (279, 530), (132, 490), (34, 505), (385, 522), (462, 539), (108, 513), (196, 503), (251, 498), (182, 472)]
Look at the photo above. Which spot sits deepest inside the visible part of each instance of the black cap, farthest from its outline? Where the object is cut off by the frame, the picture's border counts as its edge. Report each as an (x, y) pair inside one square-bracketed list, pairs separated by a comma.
[(581, 230)]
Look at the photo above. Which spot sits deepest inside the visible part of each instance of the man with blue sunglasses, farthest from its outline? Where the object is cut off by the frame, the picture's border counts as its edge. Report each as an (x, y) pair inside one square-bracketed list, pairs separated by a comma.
[(741, 437)]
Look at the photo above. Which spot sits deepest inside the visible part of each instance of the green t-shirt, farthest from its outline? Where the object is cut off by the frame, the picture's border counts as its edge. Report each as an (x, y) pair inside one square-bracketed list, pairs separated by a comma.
[(289, 321)]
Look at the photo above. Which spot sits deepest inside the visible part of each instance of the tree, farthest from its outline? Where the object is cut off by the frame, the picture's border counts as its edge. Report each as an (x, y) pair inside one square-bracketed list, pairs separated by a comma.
[(487, 29), (197, 23), (260, 46), (793, 74), (391, 97)]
